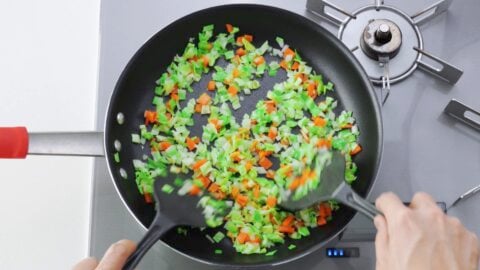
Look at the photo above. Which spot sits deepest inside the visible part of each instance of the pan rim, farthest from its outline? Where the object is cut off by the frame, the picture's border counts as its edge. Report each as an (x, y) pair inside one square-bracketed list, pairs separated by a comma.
[(362, 74)]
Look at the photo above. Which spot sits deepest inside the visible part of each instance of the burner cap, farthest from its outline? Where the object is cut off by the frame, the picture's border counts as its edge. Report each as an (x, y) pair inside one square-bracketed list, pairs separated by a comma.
[(380, 32), (381, 38)]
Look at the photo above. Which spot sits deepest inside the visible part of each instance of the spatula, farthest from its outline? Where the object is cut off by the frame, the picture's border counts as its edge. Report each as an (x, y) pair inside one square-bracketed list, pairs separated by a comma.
[(172, 210), (332, 186)]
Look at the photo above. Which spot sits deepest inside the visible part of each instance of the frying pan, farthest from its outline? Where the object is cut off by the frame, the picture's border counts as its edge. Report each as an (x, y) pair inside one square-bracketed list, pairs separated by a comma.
[(134, 93)]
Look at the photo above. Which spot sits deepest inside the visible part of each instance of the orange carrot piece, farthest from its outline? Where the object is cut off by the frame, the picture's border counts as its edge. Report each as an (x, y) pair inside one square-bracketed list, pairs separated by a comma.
[(204, 99), (198, 108), (271, 106), (236, 73), (324, 143), (205, 60), (229, 27), (295, 66), (164, 146), (211, 86), (288, 52), (249, 38), (356, 150), (198, 164), (241, 199), (265, 163), (288, 220), (148, 197), (194, 190), (270, 174), (234, 192), (312, 90), (272, 132), (205, 180), (319, 121), (271, 201), (324, 210), (242, 238), (321, 221), (259, 60), (236, 156), (213, 188), (150, 117), (286, 229), (191, 144), (283, 64), (240, 52), (294, 184), (232, 90)]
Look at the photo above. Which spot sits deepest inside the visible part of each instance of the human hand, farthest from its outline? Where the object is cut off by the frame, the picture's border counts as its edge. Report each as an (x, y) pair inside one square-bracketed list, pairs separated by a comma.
[(421, 237), (114, 258)]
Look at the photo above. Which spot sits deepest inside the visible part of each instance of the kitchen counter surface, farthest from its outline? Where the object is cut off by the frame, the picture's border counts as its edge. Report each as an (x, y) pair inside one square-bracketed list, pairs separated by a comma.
[(48, 82)]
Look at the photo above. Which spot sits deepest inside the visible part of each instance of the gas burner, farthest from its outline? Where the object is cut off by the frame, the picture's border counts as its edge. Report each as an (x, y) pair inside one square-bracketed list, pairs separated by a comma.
[(390, 40)]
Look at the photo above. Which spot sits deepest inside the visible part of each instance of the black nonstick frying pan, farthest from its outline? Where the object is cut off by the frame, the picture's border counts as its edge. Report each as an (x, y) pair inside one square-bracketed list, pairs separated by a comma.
[(134, 93)]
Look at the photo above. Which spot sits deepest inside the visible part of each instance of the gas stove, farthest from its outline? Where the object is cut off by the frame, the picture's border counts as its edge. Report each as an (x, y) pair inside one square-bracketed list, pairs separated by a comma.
[(400, 44)]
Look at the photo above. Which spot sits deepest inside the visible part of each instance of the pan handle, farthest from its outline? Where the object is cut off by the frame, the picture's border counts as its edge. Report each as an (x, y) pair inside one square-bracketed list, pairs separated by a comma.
[(17, 142)]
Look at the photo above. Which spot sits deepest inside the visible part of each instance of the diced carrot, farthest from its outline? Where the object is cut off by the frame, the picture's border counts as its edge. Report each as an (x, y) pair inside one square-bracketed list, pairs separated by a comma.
[(213, 187), (248, 37), (219, 195), (229, 27), (234, 192), (256, 191), (242, 238), (240, 52), (205, 60), (150, 117), (148, 197), (241, 199), (289, 171), (198, 108), (356, 150), (204, 99), (265, 163), (248, 165), (164, 146), (319, 121), (286, 229), (263, 154), (271, 201), (235, 73), (232, 90), (198, 164), (211, 86), (216, 123), (294, 184), (191, 144), (272, 132), (312, 90), (194, 190), (347, 126), (295, 66), (321, 221), (288, 52), (284, 65), (324, 143), (205, 180), (271, 106), (235, 156), (270, 174), (196, 140), (324, 210), (288, 220), (300, 76), (259, 60)]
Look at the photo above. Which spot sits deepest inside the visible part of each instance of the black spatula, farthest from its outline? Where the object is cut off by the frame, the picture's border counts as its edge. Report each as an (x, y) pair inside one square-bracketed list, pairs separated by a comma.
[(172, 210), (332, 186)]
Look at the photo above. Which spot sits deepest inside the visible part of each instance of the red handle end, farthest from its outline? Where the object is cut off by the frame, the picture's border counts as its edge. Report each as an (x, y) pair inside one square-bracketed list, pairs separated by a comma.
[(13, 142)]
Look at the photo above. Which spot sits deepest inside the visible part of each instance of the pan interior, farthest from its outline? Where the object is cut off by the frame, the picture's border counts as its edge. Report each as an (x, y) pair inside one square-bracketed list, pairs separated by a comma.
[(134, 93)]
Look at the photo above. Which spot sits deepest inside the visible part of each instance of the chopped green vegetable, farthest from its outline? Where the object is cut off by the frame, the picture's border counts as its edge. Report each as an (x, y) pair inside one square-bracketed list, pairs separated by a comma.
[(116, 157), (167, 188), (218, 251), (292, 246), (231, 164)]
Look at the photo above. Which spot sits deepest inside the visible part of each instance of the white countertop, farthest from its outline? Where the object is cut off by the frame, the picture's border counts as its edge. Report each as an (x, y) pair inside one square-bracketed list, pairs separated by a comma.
[(48, 82)]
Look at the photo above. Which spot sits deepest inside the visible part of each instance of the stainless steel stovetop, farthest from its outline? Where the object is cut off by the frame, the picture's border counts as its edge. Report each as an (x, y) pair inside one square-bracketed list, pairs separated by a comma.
[(424, 150)]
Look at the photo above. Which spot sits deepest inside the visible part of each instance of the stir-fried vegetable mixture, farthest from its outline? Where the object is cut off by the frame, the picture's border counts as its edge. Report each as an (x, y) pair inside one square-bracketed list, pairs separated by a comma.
[(246, 167)]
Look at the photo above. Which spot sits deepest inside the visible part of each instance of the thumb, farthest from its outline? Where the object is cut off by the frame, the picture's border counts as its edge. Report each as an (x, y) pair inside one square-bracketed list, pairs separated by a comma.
[(381, 242)]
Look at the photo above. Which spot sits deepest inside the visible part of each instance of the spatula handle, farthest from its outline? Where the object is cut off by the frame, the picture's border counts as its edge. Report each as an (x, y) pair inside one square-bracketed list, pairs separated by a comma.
[(348, 196), (153, 234)]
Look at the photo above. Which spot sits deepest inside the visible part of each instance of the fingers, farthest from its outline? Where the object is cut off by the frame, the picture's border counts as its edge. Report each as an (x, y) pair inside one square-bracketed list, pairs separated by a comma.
[(423, 200), (389, 204), (86, 264), (381, 241), (117, 255)]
